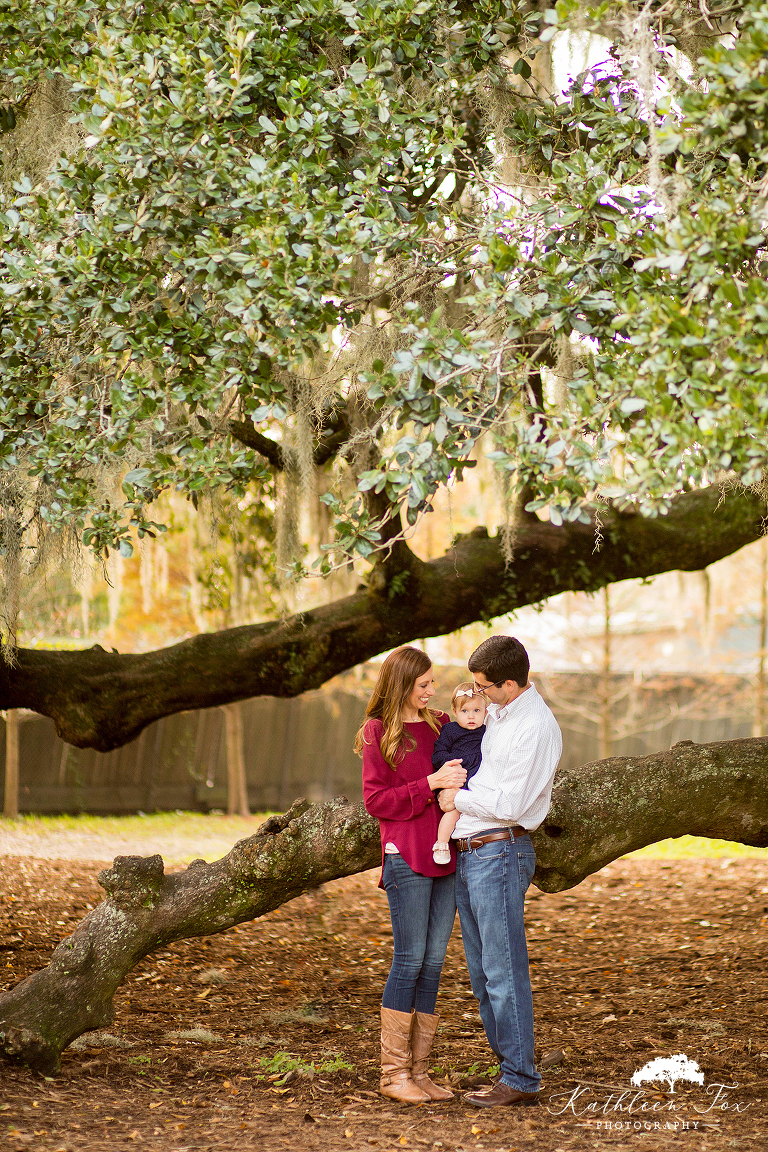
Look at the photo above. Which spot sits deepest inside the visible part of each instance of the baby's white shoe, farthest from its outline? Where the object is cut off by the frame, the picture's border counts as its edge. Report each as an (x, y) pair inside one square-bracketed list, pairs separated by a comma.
[(441, 852)]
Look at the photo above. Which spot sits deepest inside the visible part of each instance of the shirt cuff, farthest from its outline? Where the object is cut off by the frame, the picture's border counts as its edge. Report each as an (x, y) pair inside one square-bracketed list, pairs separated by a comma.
[(464, 794), (425, 791)]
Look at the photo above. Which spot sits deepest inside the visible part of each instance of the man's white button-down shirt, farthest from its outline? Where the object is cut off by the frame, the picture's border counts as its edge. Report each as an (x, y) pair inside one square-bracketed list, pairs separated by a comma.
[(513, 785)]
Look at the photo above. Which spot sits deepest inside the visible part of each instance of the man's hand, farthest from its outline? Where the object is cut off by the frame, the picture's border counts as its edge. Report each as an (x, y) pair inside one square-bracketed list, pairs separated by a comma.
[(445, 799)]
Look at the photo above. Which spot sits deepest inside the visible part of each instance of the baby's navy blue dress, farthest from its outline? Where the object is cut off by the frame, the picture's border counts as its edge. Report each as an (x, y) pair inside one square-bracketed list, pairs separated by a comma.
[(457, 743)]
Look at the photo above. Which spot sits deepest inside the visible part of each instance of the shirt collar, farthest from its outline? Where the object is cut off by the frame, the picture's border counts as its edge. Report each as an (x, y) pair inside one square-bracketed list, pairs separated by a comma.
[(499, 712)]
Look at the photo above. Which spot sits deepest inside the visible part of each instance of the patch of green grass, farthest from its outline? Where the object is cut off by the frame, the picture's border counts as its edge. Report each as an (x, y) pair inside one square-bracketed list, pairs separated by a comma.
[(692, 847), (282, 1064), (140, 1060), (335, 1064), (143, 822), (192, 835), (189, 835)]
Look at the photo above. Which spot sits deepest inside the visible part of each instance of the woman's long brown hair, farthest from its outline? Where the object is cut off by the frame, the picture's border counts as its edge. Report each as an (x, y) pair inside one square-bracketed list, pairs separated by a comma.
[(398, 674)]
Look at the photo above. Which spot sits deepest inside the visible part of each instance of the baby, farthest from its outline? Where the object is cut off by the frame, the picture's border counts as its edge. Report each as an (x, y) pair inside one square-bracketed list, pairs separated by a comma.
[(459, 740)]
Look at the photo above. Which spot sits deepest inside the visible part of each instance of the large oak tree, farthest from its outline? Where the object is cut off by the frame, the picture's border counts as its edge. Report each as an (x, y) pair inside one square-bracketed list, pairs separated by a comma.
[(329, 246)]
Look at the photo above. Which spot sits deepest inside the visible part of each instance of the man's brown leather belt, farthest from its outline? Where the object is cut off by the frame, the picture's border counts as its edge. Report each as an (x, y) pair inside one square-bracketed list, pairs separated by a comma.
[(466, 845)]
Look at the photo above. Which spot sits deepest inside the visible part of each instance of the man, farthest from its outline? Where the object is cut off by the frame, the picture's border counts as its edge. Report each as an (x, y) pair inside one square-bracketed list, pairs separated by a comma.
[(507, 798)]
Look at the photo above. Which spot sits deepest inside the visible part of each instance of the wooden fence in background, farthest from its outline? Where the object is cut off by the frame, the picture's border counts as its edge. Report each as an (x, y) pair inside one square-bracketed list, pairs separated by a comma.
[(303, 747), (300, 747)]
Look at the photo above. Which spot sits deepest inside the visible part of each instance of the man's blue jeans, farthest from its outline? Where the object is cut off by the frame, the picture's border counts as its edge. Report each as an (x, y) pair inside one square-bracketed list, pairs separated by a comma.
[(491, 882), (423, 909)]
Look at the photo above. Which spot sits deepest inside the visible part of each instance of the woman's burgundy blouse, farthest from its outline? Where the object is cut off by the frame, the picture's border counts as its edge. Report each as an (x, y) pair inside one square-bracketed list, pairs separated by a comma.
[(401, 798)]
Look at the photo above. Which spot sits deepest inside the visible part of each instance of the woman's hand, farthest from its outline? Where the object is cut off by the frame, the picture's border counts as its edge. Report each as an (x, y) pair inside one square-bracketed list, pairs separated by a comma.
[(451, 775)]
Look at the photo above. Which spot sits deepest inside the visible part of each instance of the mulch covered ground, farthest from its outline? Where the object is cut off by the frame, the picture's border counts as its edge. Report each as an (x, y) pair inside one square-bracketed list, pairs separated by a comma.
[(266, 1035)]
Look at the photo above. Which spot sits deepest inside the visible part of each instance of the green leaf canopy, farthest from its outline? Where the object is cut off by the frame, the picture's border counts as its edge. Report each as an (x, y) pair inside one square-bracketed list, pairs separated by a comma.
[(372, 233)]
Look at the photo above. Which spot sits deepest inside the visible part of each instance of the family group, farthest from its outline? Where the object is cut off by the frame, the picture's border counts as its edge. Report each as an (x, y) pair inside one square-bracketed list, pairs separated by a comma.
[(456, 800)]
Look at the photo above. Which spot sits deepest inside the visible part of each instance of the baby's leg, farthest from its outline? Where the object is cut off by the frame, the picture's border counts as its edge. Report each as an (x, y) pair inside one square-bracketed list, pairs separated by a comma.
[(441, 852), (448, 822)]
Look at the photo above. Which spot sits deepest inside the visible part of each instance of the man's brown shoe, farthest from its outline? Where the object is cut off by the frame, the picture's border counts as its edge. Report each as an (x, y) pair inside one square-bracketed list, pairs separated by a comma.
[(501, 1094)]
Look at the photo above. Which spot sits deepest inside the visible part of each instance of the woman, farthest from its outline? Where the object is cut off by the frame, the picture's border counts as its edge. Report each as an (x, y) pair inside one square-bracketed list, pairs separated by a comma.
[(396, 743)]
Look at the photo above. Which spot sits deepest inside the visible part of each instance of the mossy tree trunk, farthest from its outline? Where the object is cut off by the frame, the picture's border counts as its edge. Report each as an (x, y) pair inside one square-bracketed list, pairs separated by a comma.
[(102, 700), (599, 812), (237, 787)]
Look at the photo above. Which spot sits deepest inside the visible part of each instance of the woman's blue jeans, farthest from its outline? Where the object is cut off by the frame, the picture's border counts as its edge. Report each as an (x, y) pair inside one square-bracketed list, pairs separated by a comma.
[(422, 909)]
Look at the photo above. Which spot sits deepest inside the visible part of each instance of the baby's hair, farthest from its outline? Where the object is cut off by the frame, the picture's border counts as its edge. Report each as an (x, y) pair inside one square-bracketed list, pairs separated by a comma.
[(460, 692)]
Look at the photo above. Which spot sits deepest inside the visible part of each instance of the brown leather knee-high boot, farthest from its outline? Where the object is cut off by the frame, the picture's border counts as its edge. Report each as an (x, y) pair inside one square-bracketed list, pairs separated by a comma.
[(396, 1079), (422, 1039)]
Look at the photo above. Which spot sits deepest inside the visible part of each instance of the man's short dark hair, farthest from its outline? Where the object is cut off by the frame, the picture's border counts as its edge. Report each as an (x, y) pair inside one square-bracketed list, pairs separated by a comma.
[(501, 658)]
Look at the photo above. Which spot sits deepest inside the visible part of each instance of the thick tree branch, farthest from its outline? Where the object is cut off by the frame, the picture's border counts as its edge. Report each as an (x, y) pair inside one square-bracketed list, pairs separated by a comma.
[(101, 700), (146, 910), (603, 810), (599, 812), (330, 437), (244, 431)]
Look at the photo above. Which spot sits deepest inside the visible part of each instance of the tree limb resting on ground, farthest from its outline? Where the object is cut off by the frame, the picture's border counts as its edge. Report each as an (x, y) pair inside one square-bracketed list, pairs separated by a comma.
[(145, 910), (599, 812), (101, 700)]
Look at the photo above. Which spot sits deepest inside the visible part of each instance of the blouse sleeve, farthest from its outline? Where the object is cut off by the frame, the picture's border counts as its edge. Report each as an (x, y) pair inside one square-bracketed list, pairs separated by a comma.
[(385, 794), (442, 750)]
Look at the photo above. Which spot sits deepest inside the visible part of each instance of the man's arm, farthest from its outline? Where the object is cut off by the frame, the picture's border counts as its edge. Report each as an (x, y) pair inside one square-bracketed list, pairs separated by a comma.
[(526, 776)]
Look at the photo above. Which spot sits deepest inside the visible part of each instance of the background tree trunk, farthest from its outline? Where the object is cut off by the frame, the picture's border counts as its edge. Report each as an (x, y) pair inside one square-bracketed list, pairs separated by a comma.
[(599, 812), (758, 726), (605, 732), (237, 790), (11, 795)]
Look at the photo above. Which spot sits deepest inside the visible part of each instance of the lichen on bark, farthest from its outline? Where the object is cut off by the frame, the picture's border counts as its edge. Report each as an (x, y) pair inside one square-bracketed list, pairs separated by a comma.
[(604, 810)]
